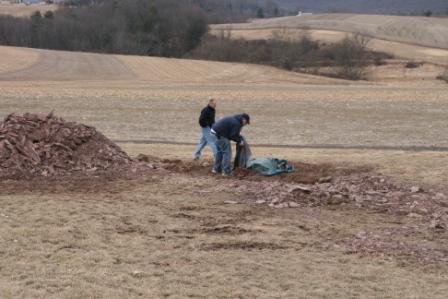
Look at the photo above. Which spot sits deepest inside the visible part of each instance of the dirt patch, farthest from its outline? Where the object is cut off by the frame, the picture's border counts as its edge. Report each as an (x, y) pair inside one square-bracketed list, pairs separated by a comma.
[(99, 182), (304, 173), (423, 211), (327, 185)]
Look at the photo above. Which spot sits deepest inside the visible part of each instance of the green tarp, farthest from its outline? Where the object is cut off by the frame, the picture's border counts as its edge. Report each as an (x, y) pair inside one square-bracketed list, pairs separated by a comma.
[(269, 166)]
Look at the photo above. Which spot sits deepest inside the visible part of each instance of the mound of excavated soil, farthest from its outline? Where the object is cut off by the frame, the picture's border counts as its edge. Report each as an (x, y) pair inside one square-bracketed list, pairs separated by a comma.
[(46, 145)]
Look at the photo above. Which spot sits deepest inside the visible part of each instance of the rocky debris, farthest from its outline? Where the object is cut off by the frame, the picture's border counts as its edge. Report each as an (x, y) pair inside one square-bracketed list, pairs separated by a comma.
[(46, 145), (365, 190)]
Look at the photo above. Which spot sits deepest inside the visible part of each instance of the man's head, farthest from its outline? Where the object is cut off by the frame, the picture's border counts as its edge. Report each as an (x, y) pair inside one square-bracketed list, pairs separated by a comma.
[(245, 119), (212, 103)]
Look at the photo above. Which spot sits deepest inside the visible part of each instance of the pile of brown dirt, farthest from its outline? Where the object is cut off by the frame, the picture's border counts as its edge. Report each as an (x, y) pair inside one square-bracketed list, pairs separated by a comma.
[(46, 145)]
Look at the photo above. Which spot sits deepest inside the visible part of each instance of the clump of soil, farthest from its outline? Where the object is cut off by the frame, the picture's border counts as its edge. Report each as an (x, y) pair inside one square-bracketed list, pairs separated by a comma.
[(46, 145)]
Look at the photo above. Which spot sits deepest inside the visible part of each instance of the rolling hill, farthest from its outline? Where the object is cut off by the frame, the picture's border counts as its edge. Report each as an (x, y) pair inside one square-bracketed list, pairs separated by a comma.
[(414, 38), (25, 64), (429, 32)]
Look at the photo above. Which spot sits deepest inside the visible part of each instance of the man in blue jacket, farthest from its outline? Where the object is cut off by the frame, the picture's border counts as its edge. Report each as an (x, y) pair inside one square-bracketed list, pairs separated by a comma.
[(206, 121), (226, 129)]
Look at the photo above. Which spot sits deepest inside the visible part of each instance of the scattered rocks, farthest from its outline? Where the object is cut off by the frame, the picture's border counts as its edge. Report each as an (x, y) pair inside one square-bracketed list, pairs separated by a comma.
[(415, 189), (231, 202), (292, 204), (298, 188), (326, 179), (365, 190)]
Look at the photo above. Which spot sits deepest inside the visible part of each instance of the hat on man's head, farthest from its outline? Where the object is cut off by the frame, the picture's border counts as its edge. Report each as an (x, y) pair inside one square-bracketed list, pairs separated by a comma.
[(246, 117)]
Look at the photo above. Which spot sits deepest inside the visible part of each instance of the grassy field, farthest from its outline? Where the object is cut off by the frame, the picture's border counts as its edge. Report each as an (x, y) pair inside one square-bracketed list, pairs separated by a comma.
[(172, 235), (156, 99), (423, 31), (161, 239), (282, 113), (22, 10), (391, 34)]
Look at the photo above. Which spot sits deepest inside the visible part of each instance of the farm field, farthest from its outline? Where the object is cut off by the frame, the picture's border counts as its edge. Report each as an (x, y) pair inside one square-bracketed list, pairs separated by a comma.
[(179, 232), (22, 10), (396, 35), (423, 31)]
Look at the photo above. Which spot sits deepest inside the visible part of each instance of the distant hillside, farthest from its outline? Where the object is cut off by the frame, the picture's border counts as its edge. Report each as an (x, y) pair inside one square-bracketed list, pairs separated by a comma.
[(367, 6)]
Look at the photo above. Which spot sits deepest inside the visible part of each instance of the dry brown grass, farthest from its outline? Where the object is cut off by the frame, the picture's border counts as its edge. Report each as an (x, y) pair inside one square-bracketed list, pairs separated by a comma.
[(22, 10), (155, 239), (397, 49), (14, 59), (282, 113), (160, 237), (48, 65), (429, 32)]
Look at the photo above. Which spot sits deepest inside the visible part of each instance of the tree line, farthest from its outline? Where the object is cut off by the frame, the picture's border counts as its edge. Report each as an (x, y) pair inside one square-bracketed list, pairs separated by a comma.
[(347, 59), (169, 28), (143, 27)]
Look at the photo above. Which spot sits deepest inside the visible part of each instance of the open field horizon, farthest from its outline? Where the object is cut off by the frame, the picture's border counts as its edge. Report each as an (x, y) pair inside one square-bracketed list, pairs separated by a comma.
[(423, 31), (283, 114), (132, 97), (178, 231), (23, 10), (157, 100)]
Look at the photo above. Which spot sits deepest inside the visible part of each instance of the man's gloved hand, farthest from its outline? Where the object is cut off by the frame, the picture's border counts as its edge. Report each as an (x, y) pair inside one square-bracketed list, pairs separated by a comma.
[(241, 143)]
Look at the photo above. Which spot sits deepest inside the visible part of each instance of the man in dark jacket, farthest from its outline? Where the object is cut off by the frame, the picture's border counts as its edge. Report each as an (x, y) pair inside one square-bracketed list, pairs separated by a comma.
[(206, 121), (226, 129)]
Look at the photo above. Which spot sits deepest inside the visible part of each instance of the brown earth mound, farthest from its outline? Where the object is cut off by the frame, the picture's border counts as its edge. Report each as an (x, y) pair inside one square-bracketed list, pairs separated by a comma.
[(46, 145)]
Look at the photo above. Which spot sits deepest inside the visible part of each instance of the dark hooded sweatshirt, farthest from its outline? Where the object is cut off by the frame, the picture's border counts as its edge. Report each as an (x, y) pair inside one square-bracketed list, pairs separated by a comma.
[(229, 127), (207, 118)]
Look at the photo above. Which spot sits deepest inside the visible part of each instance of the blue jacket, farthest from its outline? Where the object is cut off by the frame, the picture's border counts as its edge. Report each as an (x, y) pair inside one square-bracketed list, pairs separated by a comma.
[(229, 127)]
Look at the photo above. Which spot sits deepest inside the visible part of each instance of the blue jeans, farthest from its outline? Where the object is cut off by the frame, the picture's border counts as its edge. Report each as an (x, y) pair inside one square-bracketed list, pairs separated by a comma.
[(223, 156), (206, 138)]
